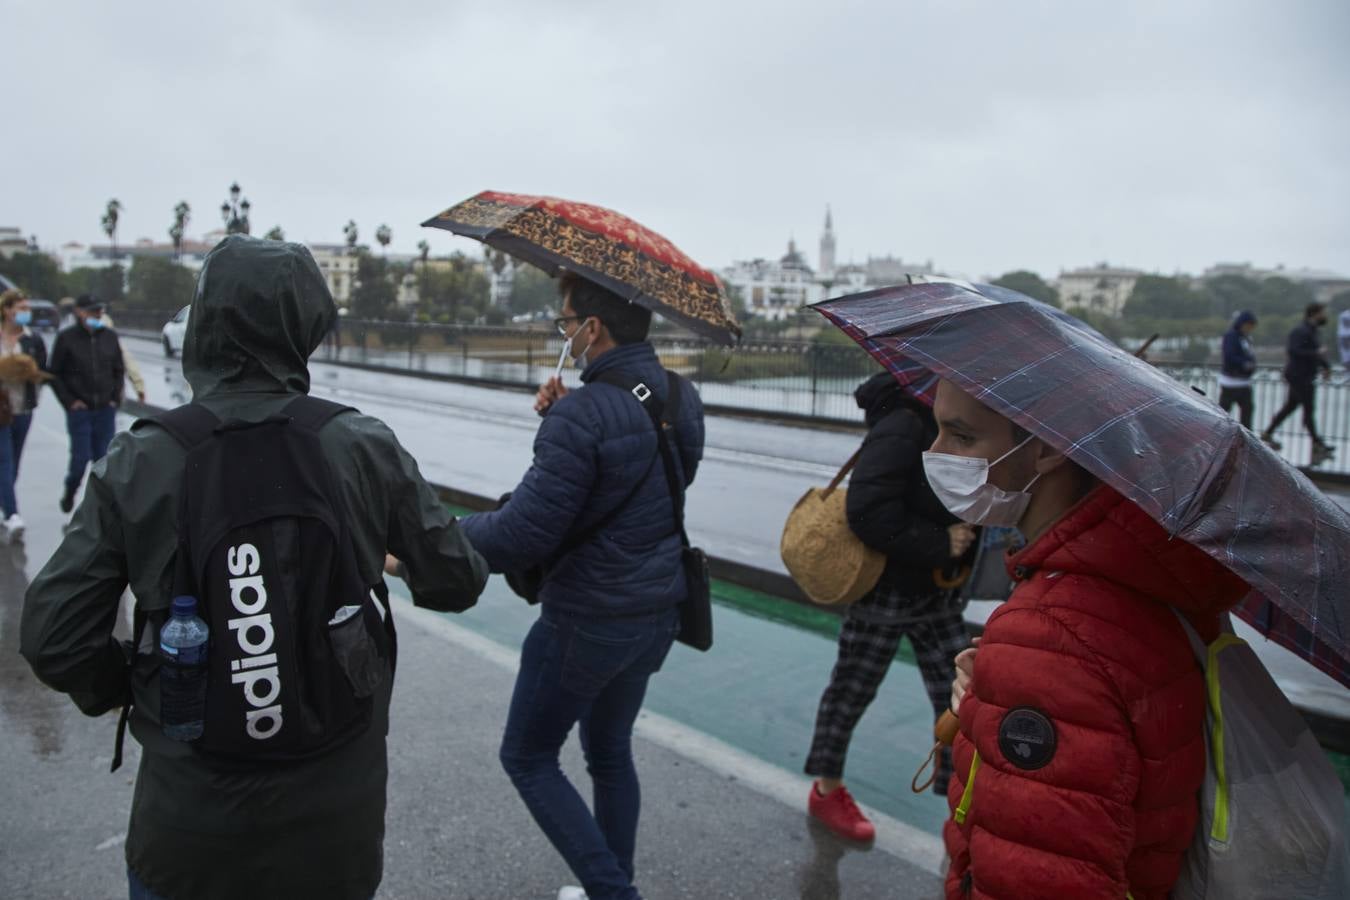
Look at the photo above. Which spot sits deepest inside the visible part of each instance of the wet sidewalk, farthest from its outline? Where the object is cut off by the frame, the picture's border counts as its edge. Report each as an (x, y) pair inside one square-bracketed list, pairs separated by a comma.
[(723, 805)]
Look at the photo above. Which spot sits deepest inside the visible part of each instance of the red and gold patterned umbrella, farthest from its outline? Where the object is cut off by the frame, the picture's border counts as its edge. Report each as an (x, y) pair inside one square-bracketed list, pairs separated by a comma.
[(600, 245)]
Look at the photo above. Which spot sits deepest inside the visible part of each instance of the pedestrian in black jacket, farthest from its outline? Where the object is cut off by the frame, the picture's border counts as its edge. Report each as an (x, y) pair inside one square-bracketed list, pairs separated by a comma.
[(87, 374), (1305, 357), (891, 509)]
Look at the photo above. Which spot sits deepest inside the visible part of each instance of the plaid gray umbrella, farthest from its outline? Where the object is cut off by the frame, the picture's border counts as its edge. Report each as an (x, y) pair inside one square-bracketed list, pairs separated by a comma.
[(1193, 469)]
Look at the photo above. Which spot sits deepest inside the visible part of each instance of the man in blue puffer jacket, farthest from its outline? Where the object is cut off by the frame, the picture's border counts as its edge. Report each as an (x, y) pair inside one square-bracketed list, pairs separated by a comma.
[(608, 612)]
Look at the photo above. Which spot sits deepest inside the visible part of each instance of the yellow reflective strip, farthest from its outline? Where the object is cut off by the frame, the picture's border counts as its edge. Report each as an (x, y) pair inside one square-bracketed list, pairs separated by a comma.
[(1219, 831), (963, 807)]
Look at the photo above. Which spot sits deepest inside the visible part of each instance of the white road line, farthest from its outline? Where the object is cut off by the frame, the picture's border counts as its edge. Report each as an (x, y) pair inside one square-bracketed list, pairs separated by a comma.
[(114, 841), (911, 844)]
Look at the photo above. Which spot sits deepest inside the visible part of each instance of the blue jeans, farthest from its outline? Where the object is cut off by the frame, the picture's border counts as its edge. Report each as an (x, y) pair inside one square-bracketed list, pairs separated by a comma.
[(592, 671), (12, 437), (91, 430)]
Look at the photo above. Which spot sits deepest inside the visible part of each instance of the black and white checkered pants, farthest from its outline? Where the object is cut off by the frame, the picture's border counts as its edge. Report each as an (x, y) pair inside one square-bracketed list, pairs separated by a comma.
[(867, 645)]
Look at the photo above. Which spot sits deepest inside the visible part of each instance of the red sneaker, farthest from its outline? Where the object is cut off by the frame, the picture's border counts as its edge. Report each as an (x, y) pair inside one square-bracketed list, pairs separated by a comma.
[(841, 815)]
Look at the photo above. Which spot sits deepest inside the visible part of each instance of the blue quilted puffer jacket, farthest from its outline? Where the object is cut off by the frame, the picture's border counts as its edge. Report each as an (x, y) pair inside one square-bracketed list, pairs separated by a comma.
[(591, 449)]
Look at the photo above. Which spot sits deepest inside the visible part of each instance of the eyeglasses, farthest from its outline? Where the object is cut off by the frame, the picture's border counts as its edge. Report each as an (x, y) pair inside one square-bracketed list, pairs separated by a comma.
[(561, 322)]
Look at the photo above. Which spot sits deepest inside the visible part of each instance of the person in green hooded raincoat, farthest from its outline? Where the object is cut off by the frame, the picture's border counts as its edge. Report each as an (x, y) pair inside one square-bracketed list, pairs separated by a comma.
[(312, 829)]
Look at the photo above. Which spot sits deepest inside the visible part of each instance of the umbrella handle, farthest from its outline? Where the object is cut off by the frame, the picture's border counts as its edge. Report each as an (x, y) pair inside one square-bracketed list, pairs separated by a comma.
[(945, 733), (852, 461), (1144, 349)]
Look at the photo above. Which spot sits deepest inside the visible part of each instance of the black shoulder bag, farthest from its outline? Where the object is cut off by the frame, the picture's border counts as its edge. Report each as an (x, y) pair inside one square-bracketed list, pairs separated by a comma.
[(696, 609)]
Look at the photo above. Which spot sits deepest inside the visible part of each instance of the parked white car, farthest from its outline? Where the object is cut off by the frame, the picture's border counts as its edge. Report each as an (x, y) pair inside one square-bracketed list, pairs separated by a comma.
[(175, 330)]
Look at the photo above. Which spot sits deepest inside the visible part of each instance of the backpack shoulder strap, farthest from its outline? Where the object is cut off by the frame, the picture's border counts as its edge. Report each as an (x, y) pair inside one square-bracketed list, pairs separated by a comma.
[(190, 424), (644, 396), (655, 410), (313, 413)]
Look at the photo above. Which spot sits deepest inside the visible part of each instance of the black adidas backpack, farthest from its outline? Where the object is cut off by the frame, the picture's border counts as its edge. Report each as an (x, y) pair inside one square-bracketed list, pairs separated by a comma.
[(298, 648)]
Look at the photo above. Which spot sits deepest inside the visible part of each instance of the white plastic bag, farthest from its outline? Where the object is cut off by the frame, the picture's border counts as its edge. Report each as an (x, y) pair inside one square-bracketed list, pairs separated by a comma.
[(1272, 811)]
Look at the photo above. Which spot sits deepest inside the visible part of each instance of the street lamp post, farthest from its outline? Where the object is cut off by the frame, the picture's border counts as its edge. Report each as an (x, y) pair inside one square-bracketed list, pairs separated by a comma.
[(234, 212)]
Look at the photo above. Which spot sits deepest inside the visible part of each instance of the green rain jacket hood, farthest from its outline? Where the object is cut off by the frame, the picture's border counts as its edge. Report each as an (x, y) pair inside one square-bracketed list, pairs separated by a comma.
[(198, 830), (262, 307)]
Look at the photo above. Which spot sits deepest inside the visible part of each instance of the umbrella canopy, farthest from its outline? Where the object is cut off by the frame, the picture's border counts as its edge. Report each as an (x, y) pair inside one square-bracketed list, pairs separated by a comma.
[(602, 246), (1187, 464)]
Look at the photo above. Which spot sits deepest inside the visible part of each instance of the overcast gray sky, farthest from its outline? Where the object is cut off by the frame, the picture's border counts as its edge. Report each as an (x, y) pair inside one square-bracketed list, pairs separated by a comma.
[(1163, 134)]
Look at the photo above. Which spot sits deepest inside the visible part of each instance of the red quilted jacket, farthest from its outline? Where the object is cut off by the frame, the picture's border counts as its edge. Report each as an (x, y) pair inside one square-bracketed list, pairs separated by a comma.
[(1087, 710)]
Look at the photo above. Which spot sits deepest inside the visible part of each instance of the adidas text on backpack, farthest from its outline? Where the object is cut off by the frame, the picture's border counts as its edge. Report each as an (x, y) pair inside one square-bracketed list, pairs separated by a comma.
[(299, 645)]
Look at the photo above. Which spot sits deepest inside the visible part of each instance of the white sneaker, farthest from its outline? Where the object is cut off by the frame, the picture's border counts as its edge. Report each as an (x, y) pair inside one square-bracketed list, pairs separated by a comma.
[(571, 893), (14, 529)]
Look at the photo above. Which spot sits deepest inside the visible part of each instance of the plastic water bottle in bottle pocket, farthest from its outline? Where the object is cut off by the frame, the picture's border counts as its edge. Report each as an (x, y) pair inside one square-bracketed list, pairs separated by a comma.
[(182, 675)]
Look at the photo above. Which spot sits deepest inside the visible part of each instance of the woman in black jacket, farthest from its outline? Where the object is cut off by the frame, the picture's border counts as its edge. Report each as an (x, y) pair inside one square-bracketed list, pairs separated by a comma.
[(892, 510)]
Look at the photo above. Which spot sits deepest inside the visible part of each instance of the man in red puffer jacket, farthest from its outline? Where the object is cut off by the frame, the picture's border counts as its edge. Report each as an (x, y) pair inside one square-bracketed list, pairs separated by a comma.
[(1082, 745)]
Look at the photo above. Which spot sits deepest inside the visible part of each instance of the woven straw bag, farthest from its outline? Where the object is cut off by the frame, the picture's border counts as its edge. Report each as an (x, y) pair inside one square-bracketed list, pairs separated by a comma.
[(821, 552)]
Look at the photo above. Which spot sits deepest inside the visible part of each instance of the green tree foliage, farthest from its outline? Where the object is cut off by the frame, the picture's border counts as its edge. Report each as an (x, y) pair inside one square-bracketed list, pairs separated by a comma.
[(155, 283), (376, 294), (105, 283), (36, 274), (1280, 296), (1109, 326), (1029, 283), (275, 234), (736, 297), (457, 293), (1159, 297), (533, 291), (1171, 307), (1234, 293)]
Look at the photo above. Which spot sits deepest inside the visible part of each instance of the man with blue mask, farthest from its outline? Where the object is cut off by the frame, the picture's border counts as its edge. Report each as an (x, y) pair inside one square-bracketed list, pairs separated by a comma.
[(87, 374), (1082, 713)]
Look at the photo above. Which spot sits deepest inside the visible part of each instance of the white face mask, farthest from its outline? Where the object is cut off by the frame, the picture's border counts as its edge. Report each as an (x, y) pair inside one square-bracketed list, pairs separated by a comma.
[(580, 361), (962, 484)]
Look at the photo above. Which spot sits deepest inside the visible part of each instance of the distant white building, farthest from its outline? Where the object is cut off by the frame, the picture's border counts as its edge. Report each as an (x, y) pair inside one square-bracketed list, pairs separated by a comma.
[(1101, 288), (337, 264), (12, 241), (74, 255), (1323, 283), (775, 289)]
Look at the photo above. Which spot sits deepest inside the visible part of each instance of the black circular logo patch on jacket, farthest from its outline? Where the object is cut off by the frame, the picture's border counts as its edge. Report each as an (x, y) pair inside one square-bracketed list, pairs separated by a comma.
[(1027, 738)]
